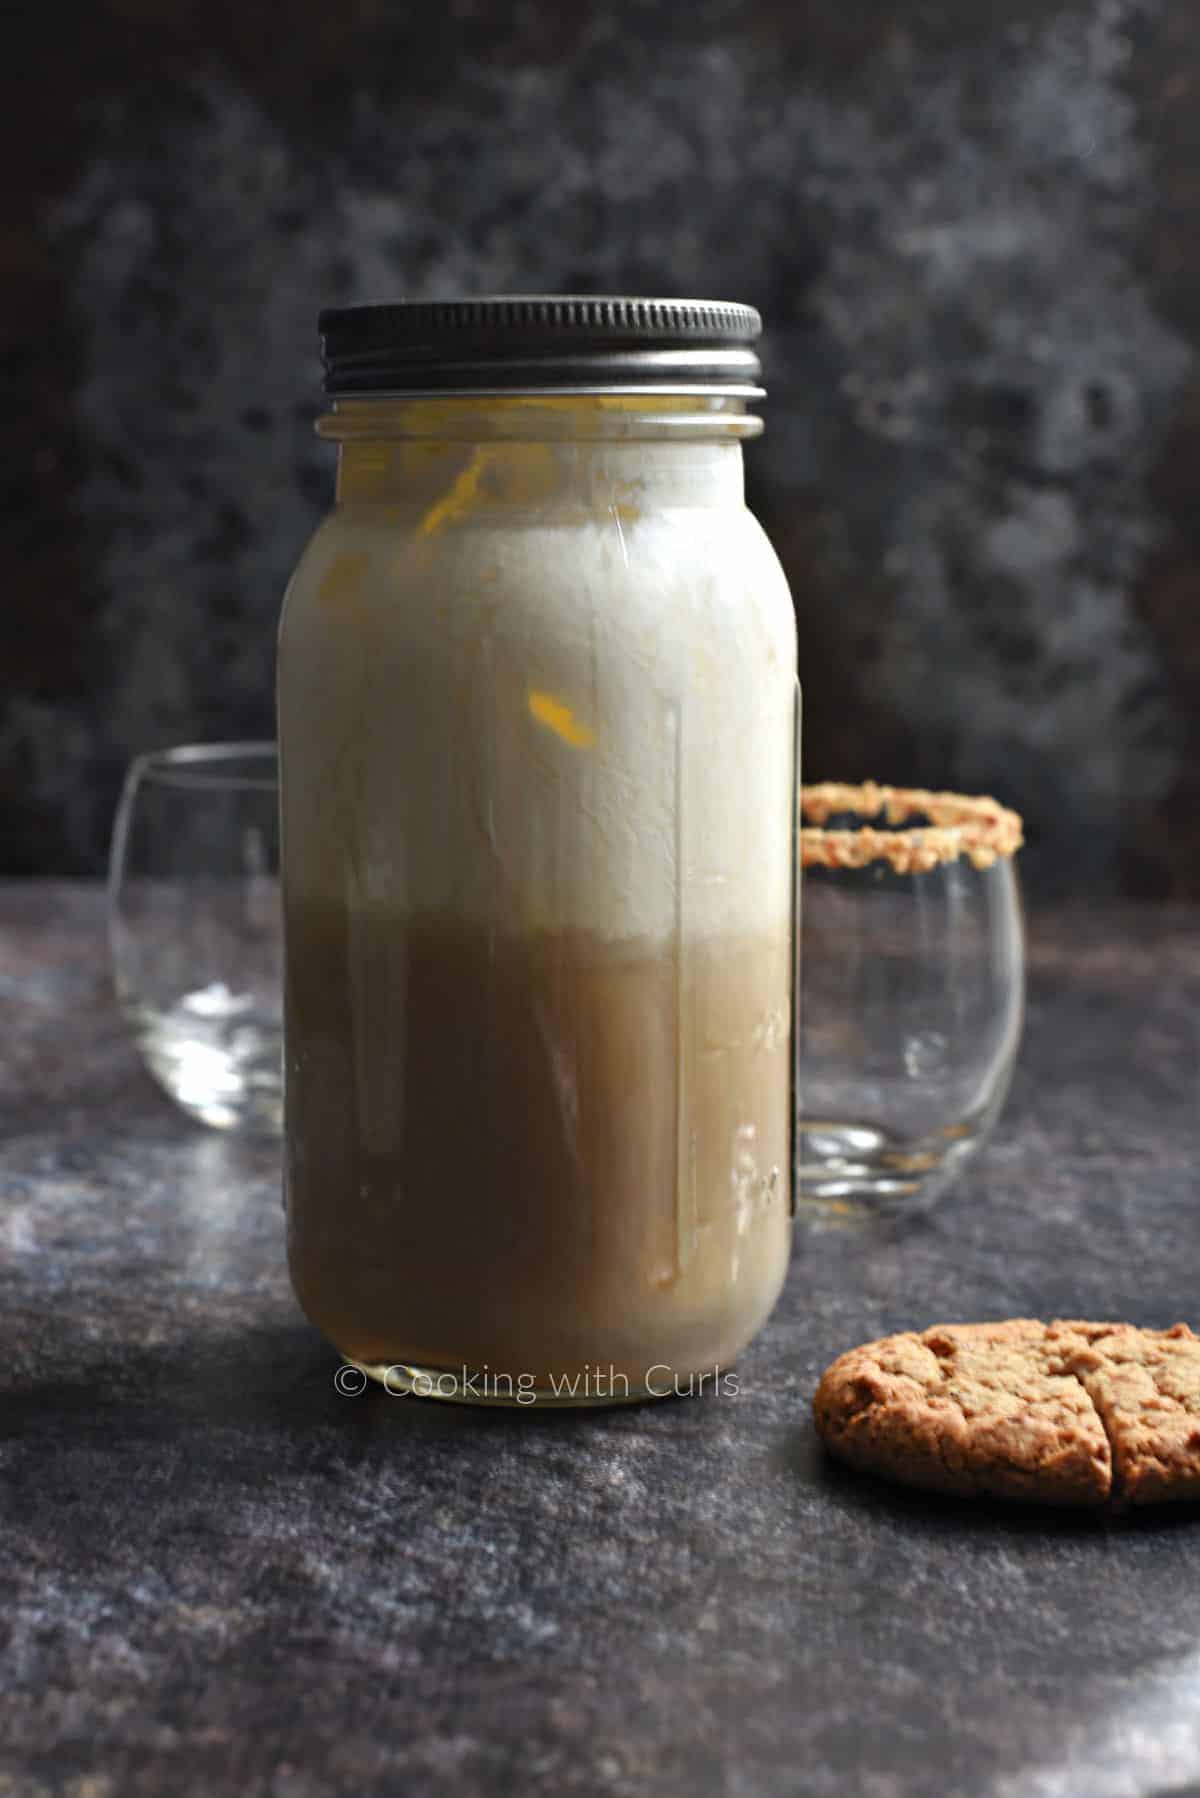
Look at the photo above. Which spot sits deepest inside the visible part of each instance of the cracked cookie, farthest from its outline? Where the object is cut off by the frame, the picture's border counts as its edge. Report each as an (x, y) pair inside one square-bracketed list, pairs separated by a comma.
[(1067, 1413)]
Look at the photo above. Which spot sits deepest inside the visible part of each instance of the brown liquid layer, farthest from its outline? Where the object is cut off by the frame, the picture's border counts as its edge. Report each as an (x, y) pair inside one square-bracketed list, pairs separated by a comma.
[(535, 1155)]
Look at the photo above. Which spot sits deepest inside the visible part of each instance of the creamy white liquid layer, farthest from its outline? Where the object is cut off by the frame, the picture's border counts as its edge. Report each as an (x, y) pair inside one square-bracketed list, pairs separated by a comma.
[(547, 727)]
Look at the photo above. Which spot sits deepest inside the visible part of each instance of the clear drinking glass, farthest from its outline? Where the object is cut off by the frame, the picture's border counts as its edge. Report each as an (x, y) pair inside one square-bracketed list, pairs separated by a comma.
[(194, 927), (912, 989)]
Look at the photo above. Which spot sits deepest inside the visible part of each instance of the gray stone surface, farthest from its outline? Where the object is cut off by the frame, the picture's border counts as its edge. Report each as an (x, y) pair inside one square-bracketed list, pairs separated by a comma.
[(218, 1575)]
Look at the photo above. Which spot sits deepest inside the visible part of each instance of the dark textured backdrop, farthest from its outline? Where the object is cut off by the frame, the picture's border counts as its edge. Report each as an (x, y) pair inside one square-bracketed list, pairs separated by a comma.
[(972, 230)]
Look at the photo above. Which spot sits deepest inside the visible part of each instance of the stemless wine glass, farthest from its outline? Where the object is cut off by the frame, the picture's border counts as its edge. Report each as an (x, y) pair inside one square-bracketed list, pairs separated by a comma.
[(912, 989), (194, 928)]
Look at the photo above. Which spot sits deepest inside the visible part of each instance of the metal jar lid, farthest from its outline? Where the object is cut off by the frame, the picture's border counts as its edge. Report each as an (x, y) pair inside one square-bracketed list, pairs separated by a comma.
[(560, 343)]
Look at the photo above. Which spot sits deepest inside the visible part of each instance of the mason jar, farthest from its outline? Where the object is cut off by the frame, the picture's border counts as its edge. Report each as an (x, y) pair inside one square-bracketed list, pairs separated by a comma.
[(537, 714)]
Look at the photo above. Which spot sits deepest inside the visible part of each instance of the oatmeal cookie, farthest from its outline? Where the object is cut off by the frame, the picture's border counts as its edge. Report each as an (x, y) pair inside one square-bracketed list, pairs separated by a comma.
[(1067, 1413)]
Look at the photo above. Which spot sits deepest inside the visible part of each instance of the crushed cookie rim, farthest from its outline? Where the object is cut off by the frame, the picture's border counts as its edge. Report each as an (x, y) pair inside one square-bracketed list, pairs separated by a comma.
[(982, 829)]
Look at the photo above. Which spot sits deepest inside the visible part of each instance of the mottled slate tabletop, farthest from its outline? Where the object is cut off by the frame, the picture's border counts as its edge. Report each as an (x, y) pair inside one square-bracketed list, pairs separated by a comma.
[(217, 1574)]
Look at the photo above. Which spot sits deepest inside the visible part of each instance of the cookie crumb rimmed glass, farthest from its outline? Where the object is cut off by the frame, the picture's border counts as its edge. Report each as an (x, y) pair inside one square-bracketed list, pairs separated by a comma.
[(195, 931), (912, 992)]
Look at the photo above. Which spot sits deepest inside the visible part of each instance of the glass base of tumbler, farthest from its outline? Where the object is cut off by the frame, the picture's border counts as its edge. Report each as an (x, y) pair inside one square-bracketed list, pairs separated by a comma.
[(849, 1167), (223, 1068)]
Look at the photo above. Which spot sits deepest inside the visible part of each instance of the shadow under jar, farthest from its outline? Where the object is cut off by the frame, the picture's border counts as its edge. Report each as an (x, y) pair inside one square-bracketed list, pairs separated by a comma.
[(537, 728), (913, 992)]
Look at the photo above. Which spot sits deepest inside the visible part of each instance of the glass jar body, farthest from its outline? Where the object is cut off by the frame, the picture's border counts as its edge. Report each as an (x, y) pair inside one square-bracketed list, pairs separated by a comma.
[(537, 735)]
